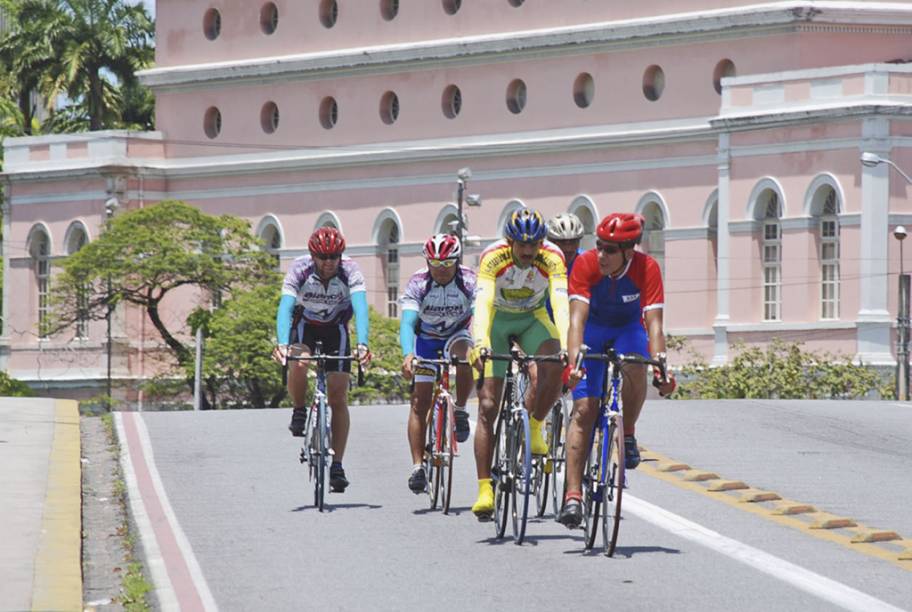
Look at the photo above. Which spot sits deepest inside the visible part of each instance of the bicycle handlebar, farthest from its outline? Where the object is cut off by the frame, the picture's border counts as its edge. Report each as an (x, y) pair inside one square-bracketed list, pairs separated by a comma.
[(321, 359), (616, 358)]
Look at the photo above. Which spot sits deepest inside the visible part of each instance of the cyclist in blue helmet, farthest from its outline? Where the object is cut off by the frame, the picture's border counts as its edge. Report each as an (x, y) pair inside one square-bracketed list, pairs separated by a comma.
[(514, 278)]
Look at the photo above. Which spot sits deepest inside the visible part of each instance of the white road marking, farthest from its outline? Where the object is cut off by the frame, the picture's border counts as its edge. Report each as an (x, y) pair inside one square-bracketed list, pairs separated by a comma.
[(164, 591), (193, 566), (829, 590)]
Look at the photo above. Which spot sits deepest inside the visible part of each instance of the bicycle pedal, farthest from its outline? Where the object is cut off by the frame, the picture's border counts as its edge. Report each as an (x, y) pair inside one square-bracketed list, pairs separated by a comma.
[(548, 467), (485, 517)]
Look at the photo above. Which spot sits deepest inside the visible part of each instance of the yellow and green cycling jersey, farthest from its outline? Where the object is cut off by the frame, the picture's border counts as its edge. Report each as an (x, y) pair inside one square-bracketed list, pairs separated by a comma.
[(504, 287)]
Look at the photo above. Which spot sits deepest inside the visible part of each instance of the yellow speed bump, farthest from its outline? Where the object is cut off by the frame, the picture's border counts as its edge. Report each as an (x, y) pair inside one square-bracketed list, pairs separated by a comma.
[(906, 555), (670, 466), (698, 476), (790, 507), (752, 496), (875, 535), (825, 520), (728, 485)]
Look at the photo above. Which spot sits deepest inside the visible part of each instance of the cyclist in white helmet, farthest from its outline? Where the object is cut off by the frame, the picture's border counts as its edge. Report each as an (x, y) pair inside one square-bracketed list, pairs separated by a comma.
[(566, 230)]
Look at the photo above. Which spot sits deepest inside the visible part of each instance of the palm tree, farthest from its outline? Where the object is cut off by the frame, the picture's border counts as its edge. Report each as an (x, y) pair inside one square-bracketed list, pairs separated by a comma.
[(83, 50)]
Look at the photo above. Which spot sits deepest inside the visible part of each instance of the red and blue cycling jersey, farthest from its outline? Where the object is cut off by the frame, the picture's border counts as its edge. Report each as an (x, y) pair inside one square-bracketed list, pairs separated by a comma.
[(620, 301)]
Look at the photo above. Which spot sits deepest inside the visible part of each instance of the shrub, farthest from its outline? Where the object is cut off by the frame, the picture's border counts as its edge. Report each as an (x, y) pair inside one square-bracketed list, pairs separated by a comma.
[(10, 387), (780, 371)]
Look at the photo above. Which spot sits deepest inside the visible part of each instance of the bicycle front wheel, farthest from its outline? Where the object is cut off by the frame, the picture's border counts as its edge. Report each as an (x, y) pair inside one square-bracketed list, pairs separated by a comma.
[(614, 486), (448, 444), (320, 480), (556, 456), (433, 454), (592, 488), (500, 476), (522, 470)]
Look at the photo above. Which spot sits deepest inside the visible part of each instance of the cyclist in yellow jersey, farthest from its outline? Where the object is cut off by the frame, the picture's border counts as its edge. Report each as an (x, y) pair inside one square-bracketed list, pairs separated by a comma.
[(515, 277)]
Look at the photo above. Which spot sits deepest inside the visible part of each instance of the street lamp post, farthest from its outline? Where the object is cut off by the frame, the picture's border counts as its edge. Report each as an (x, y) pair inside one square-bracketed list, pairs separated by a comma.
[(111, 205), (902, 323), (871, 160), (470, 199)]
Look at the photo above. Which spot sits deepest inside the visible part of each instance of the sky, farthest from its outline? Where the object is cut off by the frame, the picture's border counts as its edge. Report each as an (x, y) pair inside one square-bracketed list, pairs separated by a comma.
[(150, 5)]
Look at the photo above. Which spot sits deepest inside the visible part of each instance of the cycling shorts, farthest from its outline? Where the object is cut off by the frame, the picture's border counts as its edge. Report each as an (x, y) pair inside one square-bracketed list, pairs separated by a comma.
[(630, 339), (335, 341), (431, 348), (530, 328)]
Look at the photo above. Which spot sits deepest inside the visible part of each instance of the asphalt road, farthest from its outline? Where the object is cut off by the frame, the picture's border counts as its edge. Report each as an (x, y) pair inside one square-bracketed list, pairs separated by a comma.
[(243, 504)]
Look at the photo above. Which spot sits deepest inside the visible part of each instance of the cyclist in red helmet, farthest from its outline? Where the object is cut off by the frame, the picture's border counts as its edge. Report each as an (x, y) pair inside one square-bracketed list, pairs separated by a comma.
[(436, 313), (321, 292), (616, 300)]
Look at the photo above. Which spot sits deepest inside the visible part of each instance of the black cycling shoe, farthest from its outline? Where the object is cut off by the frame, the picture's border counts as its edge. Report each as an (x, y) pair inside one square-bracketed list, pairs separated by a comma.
[(418, 481), (631, 453), (337, 480), (298, 422), (571, 515), (462, 425)]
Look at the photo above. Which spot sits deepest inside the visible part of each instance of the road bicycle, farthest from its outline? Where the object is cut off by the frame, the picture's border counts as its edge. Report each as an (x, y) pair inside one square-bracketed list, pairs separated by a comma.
[(317, 451), (512, 470), (604, 479), (442, 448)]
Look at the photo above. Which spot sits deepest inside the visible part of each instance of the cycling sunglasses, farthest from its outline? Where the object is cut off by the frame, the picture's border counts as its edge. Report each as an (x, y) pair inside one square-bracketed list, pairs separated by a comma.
[(332, 257), (608, 248), (441, 263)]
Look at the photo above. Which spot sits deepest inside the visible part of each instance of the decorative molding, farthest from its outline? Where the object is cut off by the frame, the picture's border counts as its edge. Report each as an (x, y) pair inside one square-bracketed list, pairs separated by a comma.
[(688, 233), (732, 23), (764, 184), (822, 179)]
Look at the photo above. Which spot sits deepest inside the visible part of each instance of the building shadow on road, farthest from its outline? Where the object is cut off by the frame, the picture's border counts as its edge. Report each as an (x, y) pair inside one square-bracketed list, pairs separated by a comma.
[(334, 507)]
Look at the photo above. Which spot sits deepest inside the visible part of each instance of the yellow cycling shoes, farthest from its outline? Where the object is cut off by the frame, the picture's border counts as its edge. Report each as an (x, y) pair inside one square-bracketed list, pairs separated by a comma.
[(484, 505), (539, 446)]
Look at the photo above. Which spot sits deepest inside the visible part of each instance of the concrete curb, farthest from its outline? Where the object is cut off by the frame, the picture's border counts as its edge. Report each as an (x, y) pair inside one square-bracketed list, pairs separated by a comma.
[(58, 564)]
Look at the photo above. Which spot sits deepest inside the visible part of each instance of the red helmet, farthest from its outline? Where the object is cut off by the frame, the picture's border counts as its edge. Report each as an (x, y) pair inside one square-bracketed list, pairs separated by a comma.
[(442, 246), (326, 241), (623, 228)]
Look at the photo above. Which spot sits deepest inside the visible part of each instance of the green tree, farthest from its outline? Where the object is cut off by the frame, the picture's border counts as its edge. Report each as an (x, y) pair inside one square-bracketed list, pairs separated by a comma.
[(84, 50), (238, 369), (148, 253), (383, 380), (10, 387)]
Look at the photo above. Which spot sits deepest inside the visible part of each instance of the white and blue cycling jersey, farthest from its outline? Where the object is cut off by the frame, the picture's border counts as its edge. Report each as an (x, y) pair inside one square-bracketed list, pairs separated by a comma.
[(433, 311), (323, 303)]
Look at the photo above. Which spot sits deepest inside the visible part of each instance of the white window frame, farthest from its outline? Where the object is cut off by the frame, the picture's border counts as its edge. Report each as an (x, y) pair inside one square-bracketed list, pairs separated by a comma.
[(391, 271), (43, 281), (829, 262), (771, 260)]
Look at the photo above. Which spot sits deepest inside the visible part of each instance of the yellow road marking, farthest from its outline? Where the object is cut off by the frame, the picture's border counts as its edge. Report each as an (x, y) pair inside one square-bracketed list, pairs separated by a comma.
[(58, 573), (797, 515)]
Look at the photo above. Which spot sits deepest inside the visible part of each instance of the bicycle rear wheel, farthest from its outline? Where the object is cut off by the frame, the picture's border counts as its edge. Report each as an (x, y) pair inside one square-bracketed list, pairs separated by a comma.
[(592, 487), (614, 486), (500, 476), (449, 456), (320, 480), (522, 475), (557, 456)]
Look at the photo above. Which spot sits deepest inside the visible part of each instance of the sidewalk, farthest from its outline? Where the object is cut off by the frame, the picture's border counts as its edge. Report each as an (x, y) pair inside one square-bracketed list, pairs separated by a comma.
[(40, 495)]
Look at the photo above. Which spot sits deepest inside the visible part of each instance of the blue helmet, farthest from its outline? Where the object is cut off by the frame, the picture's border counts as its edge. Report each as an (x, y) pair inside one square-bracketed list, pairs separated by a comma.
[(525, 225)]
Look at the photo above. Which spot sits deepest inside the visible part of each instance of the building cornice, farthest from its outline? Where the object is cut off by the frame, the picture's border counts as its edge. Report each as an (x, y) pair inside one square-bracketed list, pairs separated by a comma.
[(757, 19)]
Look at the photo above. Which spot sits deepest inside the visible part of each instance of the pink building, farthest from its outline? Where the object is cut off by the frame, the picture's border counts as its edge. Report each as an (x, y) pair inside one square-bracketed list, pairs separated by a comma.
[(736, 128)]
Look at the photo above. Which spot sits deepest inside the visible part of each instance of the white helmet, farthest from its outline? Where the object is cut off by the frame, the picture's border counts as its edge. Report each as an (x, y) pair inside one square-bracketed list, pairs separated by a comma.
[(565, 226)]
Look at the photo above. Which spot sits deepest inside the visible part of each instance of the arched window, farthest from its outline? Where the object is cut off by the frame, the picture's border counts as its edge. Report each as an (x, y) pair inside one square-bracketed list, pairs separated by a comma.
[(40, 252), (447, 220), (270, 233), (389, 243), (654, 233), (76, 238), (511, 207), (828, 224), (584, 208), (768, 202)]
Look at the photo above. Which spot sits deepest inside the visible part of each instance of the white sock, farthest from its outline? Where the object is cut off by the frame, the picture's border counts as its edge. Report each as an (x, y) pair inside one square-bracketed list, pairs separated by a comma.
[(417, 467), (463, 408)]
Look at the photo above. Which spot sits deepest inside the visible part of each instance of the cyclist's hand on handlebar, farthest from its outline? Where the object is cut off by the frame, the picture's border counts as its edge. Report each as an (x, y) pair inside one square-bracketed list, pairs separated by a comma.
[(667, 386), (280, 353), (363, 354), (408, 366), (475, 357), (572, 376)]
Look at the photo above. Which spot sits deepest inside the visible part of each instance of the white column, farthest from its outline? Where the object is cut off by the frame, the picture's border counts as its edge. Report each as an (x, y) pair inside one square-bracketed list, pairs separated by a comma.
[(723, 206), (874, 320)]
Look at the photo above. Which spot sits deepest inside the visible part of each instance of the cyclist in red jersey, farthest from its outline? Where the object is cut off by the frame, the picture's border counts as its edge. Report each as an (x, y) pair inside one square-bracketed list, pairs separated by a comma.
[(616, 300)]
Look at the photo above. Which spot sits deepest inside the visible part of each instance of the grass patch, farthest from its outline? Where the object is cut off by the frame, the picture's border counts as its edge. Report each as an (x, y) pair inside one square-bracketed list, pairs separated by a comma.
[(134, 585)]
